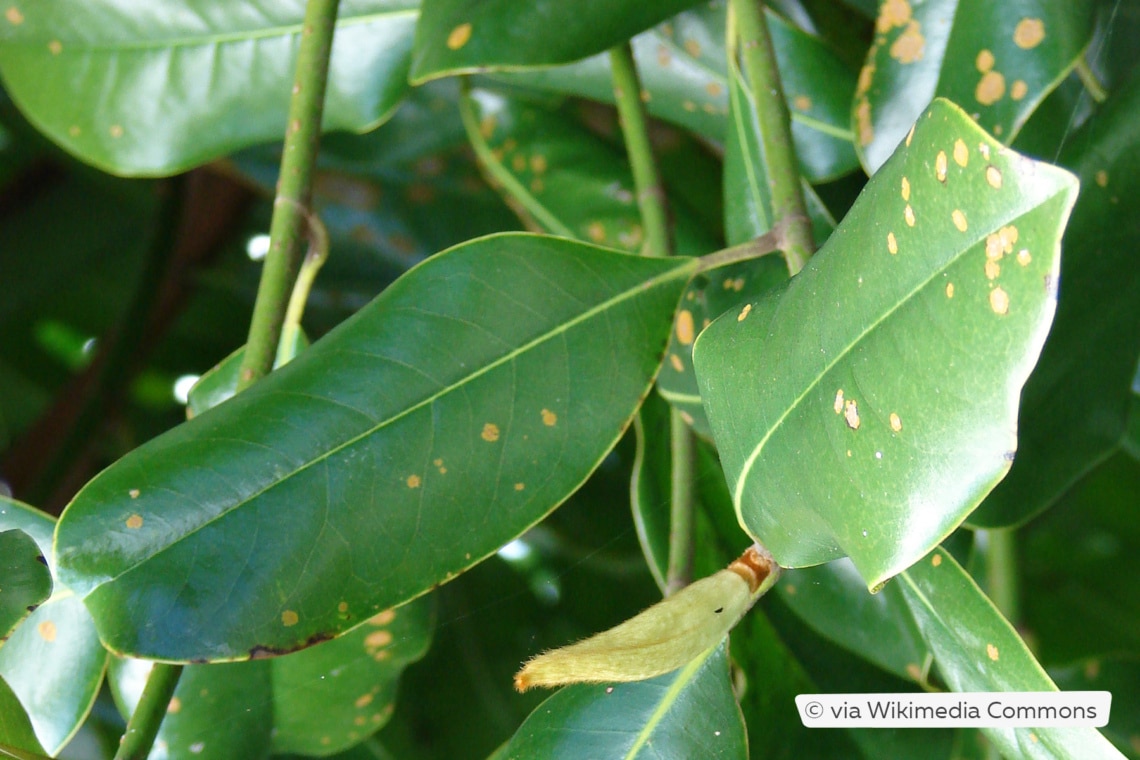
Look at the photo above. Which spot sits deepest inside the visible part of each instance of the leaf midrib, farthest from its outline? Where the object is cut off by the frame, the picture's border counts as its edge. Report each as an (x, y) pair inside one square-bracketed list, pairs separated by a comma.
[(683, 679), (372, 430)]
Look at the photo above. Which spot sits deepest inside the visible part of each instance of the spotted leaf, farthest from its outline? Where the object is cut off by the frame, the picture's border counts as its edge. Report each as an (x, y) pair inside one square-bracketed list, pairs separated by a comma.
[(53, 662), (976, 649), (998, 60), (870, 405), (158, 91), (442, 420), (25, 580)]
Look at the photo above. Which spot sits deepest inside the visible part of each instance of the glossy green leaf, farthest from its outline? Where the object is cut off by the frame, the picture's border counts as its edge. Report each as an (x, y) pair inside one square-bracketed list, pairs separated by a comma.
[(264, 707), (352, 678), (358, 489), (833, 600), (998, 60), (867, 408), (1082, 388), (1072, 562), (25, 581), (976, 649), (690, 712), (217, 711), (683, 68), (1121, 677), (16, 735), (158, 88), (53, 661), (458, 36)]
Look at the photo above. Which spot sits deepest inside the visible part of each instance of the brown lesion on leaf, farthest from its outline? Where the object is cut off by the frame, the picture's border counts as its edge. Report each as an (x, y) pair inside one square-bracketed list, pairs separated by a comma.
[(264, 652)]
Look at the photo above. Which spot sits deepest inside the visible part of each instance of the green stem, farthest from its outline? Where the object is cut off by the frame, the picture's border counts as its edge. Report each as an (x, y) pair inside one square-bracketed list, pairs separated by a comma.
[(1089, 80), (148, 714), (1001, 571), (646, 180), (771, 241), (655, 221), (314, 259), (294, 191), (774, 122)]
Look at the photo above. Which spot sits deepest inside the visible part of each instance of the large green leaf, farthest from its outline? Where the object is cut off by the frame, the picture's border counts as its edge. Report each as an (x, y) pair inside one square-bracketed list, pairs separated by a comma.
[(1081, 390), (682, 66), (53, 662), (976, 649), (998, 60), (439, 422), (155, 88), (461, 36), (249, 709), (868, 407), (690, 712), (25, 580)]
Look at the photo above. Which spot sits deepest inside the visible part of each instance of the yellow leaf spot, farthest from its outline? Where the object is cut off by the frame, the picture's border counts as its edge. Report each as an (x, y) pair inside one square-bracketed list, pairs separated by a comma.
[(914, 671), (676, 363), (999, 301), (936, 560), (993, 176), (1019, 89), (664, 58), (520, 486), (940, 165), (866, 79), (1023, 257), (413, 481), (984, 61), (851, 414), (363, 700), (993, 269), (692, 47), (990, 88), (959, 219), (15, 18), (1102, 178), (342, 607), (133, 493), (896, 423), (713, 89), (908, 215), (801, 103), (596, 232), (905, 189), (538, 164), (55, 47), (359, 720), (910, 135), (949, 290), (518, 163), (689, 106), (382, 618), (549, 418), (992, 652), (744, 312), (863, 120), (134, 522), (685, 327), (961, 153), (175, 705), (910, 45), (839, 401), (893, 13), (790, 589), (892, 244), (47, 631), (116, 131), (289, 618), (74, 130), (378, 639), (490, 432), (1028, 33), (487, 127), (459, 36), (738, 284)]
